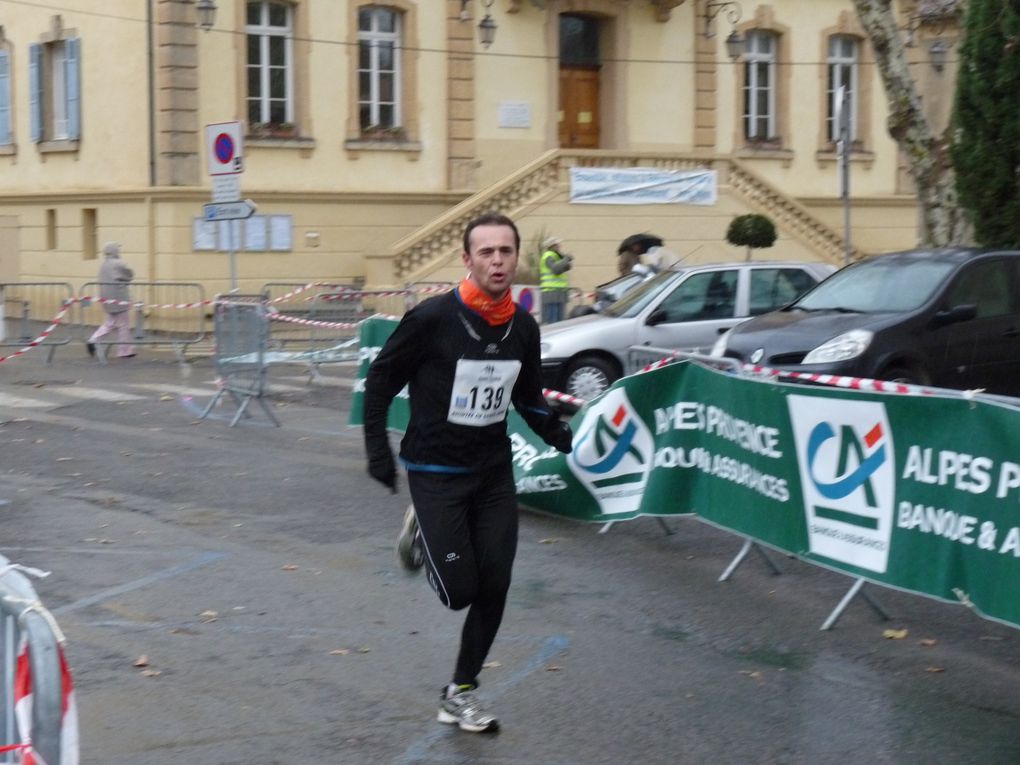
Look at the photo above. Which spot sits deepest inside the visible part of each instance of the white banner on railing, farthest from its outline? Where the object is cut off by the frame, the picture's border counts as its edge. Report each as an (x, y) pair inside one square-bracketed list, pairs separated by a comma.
[(642, 186)]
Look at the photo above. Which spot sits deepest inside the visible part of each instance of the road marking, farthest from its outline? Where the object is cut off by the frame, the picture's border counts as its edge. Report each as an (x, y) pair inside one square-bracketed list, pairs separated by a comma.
[(21, 402), (178, 389), (99, 394), (198, 562)]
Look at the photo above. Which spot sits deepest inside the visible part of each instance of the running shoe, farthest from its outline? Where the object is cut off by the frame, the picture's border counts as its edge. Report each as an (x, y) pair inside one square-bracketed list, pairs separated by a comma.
[(409, 547), (464, 710)]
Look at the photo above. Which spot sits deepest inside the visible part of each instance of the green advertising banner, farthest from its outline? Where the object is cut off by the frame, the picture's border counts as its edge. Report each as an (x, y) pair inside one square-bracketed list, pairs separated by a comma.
[(372, 333), (916, 492)]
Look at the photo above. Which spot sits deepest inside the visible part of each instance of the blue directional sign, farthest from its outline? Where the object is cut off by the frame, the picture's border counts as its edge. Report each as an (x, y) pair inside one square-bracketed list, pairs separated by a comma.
[(228, 210)]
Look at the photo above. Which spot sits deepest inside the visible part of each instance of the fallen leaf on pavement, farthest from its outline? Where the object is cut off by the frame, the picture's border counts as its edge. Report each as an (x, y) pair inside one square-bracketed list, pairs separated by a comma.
[(151, 672), (553, 668), (927, 642), (491, 665), (142, 661), (935, 669), (288, 567), (340, 652), (895, 634), (167, 397)]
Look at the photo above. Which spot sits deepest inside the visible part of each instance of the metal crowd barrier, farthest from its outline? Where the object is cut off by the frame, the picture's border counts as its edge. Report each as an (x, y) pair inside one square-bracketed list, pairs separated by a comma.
[(422, 290), (28, 308), (241, 325), (640, 356), (162, 313), (24, 618), (344, 310), (292, 300)]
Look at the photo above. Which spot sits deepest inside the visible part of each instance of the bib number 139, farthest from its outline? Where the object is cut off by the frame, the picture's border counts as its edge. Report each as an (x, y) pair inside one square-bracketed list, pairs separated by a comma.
[(486, 398), (481, 391)]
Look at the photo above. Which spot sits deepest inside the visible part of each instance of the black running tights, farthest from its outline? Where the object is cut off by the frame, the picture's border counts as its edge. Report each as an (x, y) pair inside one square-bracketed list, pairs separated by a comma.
[(469, 530)]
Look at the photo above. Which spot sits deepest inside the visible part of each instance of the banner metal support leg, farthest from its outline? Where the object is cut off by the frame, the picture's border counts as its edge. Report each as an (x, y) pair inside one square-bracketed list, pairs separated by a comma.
[(268, 411), (212, 403), (662, 523), (749, 544), (855, 589)]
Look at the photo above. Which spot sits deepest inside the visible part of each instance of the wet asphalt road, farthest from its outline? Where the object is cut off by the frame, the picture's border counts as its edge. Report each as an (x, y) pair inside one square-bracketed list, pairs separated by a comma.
[(251, 569)]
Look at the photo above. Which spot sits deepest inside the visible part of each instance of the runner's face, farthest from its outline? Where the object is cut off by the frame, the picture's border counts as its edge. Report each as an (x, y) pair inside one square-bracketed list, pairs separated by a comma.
[(492, 259)]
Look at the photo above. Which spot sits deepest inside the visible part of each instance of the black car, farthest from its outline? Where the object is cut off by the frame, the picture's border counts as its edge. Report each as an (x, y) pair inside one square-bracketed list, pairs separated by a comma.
[(948, 318)]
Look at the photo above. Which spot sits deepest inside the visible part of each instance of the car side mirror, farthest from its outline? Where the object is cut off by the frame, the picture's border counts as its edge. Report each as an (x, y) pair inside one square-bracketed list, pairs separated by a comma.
[(658, 316), (956, 314)]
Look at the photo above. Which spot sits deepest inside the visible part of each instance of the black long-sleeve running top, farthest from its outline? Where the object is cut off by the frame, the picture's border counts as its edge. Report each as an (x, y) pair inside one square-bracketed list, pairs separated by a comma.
[(462, 375)]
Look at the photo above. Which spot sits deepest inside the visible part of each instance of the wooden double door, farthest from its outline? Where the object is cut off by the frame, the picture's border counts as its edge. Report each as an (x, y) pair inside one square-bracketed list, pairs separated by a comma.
[(579, 107)]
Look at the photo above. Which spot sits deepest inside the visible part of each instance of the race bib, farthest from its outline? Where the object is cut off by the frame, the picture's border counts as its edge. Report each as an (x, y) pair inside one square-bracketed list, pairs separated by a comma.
[(481, 391)]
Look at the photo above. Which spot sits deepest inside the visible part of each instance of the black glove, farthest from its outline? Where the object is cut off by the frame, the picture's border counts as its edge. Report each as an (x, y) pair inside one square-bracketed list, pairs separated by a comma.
[(560, 436), (382, 467)]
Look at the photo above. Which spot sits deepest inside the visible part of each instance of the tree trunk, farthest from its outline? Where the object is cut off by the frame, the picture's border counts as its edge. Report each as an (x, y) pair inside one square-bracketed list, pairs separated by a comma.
[(942, 219)]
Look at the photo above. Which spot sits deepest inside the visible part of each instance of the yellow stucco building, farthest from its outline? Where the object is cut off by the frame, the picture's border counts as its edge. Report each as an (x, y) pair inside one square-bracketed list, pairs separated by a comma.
[(371, 132)]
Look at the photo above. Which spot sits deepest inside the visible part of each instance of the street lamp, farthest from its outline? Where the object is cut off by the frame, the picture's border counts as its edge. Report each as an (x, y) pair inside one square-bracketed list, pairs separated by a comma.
[(938, 52), (734, 42), (735, 45), (206, 13), (486, 27)]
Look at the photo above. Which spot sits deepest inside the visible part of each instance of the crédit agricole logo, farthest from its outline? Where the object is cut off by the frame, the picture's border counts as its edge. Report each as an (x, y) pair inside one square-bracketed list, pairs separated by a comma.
[(612, 454), (847, 471)]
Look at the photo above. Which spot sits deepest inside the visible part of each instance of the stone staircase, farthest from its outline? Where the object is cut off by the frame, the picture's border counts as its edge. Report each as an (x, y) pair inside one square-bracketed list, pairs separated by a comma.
[(415, 257)]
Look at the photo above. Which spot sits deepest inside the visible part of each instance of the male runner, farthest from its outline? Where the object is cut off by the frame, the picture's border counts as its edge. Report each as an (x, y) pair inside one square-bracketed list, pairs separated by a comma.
[(466, 355)]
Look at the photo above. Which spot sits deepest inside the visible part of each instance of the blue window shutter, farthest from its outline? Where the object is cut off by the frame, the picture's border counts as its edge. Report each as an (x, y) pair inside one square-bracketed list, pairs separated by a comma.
[(73, 70), (35, 95), (5, 98)]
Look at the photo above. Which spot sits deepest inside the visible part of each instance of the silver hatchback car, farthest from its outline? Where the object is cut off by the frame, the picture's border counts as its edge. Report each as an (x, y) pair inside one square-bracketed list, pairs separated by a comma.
[(684, 308)]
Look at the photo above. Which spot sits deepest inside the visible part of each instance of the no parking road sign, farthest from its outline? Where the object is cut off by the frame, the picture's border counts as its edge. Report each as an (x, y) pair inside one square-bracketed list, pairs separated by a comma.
[(224, 148)]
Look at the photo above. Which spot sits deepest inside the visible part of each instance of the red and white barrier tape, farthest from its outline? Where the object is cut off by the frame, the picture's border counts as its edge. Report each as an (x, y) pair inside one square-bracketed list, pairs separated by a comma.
[(45, 333), (563, 398), (314, 323), (836, 381), (840, 381)]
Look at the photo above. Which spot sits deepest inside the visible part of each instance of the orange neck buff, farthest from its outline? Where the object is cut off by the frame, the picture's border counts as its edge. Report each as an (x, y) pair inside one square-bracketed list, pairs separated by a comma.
[(495, 312)]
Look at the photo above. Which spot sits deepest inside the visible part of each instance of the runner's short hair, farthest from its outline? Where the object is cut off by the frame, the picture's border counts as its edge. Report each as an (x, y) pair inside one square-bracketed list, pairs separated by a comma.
[(491, 219)]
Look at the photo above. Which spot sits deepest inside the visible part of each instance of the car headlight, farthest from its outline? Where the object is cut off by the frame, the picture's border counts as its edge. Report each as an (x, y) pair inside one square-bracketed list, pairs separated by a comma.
[(849, 345), (719, 349)]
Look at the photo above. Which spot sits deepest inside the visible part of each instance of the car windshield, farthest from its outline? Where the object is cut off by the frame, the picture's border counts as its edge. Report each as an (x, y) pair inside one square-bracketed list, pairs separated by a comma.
[(618, 286), (633, 302), (876, 286)]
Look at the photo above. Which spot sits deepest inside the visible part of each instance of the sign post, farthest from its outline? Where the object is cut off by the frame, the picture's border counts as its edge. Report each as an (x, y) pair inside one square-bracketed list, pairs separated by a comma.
[(224, 143), (842, 119)]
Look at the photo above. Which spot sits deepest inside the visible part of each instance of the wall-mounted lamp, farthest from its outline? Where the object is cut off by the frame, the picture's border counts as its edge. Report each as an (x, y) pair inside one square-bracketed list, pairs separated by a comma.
[(206, 13), (734, 42), (938, 51), (486, 27)]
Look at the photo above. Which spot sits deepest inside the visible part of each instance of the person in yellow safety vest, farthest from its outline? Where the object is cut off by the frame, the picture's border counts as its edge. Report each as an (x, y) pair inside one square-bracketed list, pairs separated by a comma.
[(552, 278)]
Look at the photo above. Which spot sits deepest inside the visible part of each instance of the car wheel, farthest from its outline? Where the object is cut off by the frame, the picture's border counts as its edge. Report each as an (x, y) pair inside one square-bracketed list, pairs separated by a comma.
[(904, 375), (588, 377)]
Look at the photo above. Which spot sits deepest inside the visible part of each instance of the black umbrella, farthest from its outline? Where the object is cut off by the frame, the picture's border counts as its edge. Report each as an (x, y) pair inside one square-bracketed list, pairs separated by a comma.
[(643, 242)]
